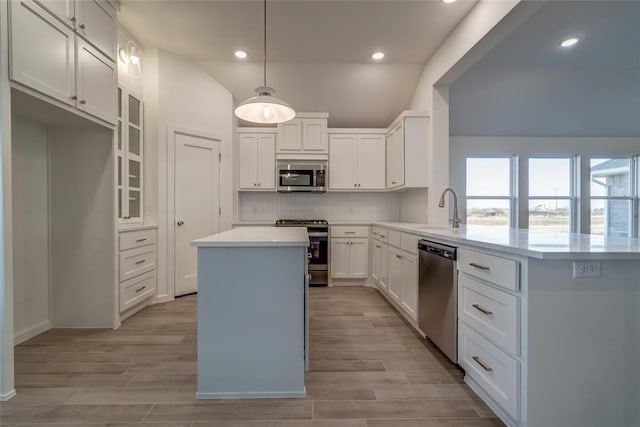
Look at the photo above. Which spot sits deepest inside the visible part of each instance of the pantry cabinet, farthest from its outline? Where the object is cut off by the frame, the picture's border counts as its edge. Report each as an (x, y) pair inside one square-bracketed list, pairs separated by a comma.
[(256, 159), (357, 161), (61, 61), (305, 134), (130, 157)]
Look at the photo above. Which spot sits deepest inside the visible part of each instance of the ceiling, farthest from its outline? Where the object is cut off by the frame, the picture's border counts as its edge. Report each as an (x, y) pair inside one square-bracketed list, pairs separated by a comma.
[(529, 86), (319, 52)]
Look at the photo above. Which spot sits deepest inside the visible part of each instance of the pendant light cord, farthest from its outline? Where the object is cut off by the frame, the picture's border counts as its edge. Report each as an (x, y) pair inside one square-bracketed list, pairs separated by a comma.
[(265, 43)]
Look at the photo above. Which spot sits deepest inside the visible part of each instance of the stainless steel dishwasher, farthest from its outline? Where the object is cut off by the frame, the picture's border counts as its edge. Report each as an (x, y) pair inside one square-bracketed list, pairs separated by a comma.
[(438, 296)]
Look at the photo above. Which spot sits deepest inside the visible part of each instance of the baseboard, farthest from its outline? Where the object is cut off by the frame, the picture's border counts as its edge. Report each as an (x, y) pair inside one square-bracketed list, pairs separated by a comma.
[(252, 395), (359, 283), (7, 396), (164, 298), (27, 334)]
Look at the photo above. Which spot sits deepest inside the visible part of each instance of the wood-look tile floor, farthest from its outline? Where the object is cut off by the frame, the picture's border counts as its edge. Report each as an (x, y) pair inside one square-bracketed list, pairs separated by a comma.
[(367, 369)]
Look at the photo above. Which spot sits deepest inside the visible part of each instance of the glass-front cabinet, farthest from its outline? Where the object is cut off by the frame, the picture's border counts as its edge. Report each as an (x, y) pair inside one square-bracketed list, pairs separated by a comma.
[(130, 157)]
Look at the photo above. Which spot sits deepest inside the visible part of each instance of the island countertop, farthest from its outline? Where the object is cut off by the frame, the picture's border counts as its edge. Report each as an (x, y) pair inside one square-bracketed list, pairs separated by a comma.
[(256, 236), (531, 243)]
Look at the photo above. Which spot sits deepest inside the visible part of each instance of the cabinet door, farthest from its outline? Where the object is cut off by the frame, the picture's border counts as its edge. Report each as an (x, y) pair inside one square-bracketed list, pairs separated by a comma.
[(370, 162), (98, 24), (314, 135), (359, 258), (341, 161), (380, 263), (267, 162), (394, 263), (64, 10), (410, 285), (395, 157), (290, 136), (375, 254), (248, 161), (42, 54), (96, 83), (134, 156), (340, 258)]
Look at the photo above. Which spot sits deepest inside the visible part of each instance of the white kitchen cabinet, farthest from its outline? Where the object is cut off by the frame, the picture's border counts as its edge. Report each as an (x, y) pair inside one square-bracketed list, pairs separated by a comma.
[(359, 258), (305, 134), (395, 273), (137, 268), (350, 258), (409, 299), (407, 151), (340, 259), (98, 24), (64, 10), (357, 161), (256, 160), (130, 157), (379, 267), (48, 57)]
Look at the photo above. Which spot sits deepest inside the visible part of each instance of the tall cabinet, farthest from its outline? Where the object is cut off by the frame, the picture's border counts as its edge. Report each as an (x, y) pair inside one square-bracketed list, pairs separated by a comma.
[(130, 157)]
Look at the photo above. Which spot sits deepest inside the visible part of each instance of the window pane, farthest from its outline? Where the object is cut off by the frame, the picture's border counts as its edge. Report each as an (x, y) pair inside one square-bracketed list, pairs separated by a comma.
[(611, 217), (610, 177), (134, 111), (549, 177), (488, 212), (551, 214), (488, 176)]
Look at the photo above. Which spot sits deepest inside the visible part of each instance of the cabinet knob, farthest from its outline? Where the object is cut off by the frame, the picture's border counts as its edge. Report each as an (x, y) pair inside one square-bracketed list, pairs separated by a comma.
[(73, 19), (180, 223), (83, 102), (83, 26), (74, 97)]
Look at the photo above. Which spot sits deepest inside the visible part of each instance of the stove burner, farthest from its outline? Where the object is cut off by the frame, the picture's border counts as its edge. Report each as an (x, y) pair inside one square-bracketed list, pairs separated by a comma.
[(302, 222)]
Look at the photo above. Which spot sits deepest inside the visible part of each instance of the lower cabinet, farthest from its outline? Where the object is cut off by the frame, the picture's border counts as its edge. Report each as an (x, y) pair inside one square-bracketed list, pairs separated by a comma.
[(136, 268), (379, 270), (403, 280), (350, 258)]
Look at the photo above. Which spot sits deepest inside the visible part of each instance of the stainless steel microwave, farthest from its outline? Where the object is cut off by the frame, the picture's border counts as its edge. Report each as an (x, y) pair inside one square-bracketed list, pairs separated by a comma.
[(302, 177)]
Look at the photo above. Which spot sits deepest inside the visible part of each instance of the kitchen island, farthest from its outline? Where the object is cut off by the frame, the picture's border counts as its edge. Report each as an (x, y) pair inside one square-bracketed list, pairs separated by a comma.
[(548, 322), (252, 305)]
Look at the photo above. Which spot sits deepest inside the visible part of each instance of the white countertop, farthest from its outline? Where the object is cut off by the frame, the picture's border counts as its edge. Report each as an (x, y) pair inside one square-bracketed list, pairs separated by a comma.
[(531, 243), (256, 236)]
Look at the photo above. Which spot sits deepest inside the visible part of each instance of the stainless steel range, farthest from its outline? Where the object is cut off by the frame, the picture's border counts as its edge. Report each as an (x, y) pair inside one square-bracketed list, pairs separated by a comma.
[(318, 230)]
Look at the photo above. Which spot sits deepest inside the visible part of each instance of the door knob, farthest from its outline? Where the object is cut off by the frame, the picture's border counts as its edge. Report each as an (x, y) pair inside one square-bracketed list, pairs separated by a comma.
[(180, 223)]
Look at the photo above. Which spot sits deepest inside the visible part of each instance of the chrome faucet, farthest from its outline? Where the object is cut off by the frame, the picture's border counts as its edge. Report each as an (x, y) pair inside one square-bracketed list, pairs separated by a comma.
[(455, 222)]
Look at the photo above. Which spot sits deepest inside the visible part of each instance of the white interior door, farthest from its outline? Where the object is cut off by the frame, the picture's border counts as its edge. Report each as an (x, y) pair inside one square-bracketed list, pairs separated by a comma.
[(197, 202)]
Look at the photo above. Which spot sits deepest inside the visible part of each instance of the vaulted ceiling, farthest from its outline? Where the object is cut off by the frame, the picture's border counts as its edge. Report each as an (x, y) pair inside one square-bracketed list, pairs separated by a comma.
[(319, 52)]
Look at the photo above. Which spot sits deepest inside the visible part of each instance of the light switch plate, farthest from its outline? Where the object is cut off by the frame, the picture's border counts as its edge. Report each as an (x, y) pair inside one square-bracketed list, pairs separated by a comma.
[(586, 269)]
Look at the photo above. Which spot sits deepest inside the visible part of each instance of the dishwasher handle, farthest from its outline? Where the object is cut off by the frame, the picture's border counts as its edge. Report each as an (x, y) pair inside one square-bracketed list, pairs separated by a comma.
[(438, 249)]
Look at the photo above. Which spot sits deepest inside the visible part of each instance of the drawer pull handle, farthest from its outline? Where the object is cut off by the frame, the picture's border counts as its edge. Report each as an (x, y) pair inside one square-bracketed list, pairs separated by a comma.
[(140, 240), (482, 309), (140, 262), (398, 256), (349, 232), (382, 235), (139, 289), (481, 363), (378, 246), (480, 266)]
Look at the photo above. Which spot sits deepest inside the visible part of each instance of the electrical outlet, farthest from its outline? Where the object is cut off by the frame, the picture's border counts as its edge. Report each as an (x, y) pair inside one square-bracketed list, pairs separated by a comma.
[(586, 269)]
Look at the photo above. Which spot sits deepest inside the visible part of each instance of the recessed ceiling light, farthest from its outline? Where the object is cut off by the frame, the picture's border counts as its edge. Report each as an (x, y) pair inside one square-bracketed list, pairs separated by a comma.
[(448, 1), (569, 42), (377, 56), (241, 54)]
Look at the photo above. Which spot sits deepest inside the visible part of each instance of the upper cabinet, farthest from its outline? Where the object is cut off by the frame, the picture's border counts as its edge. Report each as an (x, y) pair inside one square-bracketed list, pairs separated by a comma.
[(407, 151), (53, 55), (256, 159), (357, 160), (306, 134)]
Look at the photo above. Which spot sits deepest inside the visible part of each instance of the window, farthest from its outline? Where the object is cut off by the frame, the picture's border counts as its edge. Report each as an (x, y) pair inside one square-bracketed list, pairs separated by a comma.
[(612, 189), (552, 194), (490, 187)]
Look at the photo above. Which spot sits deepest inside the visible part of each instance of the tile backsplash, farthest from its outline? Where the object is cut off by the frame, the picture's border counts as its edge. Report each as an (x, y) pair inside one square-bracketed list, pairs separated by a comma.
[(414, 205), (330, 206)]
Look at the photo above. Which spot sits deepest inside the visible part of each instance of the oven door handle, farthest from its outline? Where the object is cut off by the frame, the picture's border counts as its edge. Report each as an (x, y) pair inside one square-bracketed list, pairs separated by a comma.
[(318, 234)]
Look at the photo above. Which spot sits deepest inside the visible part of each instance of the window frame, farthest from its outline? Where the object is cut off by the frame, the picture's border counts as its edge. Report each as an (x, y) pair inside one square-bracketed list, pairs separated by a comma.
[(513, 185), (574, 211)]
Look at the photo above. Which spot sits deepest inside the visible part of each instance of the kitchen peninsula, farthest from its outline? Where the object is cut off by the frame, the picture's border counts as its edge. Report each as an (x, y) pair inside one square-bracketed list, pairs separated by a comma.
[(252, 313)]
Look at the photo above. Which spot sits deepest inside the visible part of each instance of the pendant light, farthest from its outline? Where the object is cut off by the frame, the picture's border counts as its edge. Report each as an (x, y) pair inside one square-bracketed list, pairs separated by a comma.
[(265, 108)]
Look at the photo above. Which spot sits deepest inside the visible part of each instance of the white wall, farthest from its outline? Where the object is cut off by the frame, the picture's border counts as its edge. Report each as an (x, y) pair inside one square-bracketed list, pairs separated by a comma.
[(129, 75), (258, 207), (431, 94), (179, 93), (31, 229)]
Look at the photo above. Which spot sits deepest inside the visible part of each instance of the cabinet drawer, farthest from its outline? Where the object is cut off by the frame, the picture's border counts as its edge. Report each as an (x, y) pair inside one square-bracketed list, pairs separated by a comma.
[(491, 312), (501, 271), (409, 243), (137, 289), (394, 238), (491, 368), (136, 239), (349, 231), (380, 234), (137, 261)]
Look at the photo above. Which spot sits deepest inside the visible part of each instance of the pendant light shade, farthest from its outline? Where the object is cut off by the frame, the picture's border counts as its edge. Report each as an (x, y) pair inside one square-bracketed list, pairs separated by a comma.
[(265, 108)]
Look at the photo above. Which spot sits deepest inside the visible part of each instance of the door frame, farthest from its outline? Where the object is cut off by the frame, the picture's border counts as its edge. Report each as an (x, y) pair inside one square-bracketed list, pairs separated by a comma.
[(172, 131)]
